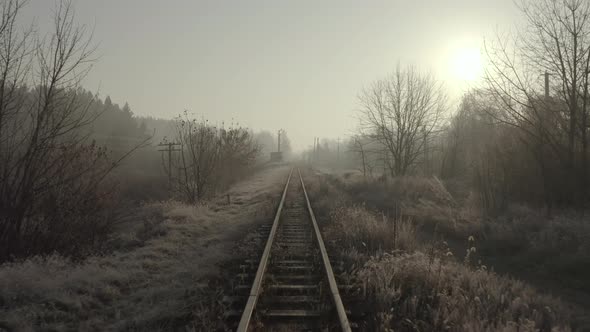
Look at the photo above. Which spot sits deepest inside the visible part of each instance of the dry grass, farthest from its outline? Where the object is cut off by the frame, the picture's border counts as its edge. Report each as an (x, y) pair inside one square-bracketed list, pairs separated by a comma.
[(523, 240), (425, 293), (159, 275), (424, 199), (357, 227), (131, 290), (423, 287)]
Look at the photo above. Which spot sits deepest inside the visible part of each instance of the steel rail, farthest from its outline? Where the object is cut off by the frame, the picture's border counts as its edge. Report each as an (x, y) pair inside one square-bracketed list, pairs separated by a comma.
[(343, 319), (257, 284)]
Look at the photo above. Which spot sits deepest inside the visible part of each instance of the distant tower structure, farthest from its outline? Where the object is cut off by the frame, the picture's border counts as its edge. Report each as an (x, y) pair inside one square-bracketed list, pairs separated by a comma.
[(279, 145), (277, 156)]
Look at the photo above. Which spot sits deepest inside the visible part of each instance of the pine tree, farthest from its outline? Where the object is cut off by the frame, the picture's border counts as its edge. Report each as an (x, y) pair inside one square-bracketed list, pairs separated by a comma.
[(127, 110)]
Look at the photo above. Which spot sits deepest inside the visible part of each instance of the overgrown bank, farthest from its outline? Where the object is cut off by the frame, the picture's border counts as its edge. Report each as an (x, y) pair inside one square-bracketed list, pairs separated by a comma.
[(418, 284), (162, 276), (523, 241)]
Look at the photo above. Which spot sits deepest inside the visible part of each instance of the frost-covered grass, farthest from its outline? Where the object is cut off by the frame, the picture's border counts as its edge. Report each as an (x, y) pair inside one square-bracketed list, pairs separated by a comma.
[(415, 283), (159, 274), (356, 227), (144, 287), (523, 240), (416, 291)]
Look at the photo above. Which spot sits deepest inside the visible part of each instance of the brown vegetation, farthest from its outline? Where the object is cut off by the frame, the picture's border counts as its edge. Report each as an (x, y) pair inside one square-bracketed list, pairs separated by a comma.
[(420, 291), (159, 272), (52, 193), (209, 157), (91, 239), (416, 281)]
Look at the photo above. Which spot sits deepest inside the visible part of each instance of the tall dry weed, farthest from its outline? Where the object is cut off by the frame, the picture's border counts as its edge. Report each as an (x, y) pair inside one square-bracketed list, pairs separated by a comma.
[(412, 290), (357, 227)]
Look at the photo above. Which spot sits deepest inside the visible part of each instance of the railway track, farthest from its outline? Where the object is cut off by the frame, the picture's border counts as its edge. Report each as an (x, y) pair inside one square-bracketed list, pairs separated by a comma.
[(294, 287)]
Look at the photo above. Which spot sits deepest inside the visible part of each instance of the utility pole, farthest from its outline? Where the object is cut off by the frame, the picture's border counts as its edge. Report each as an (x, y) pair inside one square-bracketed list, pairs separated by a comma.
[(317, 149), (313, 153), (170, 147), (279, 146), (338, 149)]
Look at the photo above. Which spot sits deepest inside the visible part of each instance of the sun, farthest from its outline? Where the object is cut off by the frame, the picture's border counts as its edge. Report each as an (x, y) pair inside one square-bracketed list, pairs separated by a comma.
[(466, 64)]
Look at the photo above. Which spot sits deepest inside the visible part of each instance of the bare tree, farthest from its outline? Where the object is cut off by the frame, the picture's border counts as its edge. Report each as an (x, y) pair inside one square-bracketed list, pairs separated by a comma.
[(209, 157), (402, 112), (199, 155), (15, 48), (239, 150), (555, 41), (50, 176)]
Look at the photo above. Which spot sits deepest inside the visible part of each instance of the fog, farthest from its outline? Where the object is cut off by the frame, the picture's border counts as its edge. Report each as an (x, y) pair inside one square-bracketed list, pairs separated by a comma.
[(295, 165), (269, 64)]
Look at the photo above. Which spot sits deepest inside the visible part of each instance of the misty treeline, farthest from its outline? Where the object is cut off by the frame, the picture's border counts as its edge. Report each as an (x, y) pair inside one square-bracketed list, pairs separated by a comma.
[(71, 162), (514, 138)]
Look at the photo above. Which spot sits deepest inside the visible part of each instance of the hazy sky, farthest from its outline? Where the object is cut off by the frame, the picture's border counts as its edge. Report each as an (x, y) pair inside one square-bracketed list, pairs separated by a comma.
[(297, 65)]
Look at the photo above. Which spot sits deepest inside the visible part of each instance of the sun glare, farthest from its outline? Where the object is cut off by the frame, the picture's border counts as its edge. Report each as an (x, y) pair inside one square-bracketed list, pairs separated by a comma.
[(467, 64)]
